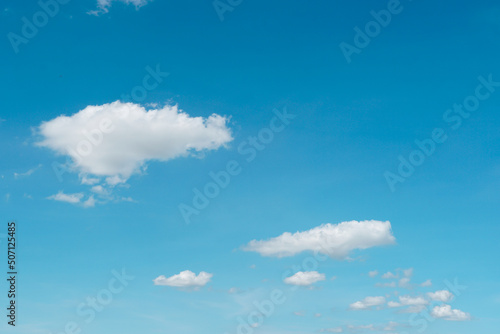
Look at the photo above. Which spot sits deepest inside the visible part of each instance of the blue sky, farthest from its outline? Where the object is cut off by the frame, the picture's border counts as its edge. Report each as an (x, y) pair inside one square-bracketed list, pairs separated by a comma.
[(382, 243)]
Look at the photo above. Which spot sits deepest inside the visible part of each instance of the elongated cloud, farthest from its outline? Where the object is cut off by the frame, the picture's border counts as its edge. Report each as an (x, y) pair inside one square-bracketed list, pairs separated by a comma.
[(116, 140), (367, 303), (336, 241), (441, 295), (304, 278), (185, 279), (447, 313)]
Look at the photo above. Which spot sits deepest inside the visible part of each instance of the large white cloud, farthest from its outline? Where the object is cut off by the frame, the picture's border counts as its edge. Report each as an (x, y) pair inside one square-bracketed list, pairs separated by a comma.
[(367, 303), (116, 140), (447, 313), (304, 278), (335, 240), (185, 279)]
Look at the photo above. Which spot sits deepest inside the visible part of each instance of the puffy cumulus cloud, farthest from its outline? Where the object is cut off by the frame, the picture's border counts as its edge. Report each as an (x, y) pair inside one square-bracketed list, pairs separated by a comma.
[(304, 278), (441, 295), (367, 303), (335, 240), (104, 5), (185, 279), (116, 140), (447, 313)]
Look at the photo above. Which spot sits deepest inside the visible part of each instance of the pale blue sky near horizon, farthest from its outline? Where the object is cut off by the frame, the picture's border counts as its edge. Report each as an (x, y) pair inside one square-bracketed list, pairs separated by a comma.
[(352, 122)]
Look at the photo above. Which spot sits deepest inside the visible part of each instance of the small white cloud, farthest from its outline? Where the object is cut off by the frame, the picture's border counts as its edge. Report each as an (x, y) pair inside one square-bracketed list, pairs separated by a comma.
[(447, 313), (373, 273), (416, 304), (27, 173), (68, 198), (317, 315), (299, 313), (335, 240), (89, 203), (100, 190), (426, 283), (75, 198), (356, 328), (408, 300), (391, 326), (393, 304), (389, 275), (441, 295), (386, 285), (89, 180), (332, 330), (367, 303), (104, 5), (404, 282), (233, 290), (185, 279), (408, 272), (304, 278)]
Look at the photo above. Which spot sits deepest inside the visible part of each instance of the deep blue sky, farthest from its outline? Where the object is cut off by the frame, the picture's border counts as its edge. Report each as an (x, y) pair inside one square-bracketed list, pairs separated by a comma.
[(352, 123)]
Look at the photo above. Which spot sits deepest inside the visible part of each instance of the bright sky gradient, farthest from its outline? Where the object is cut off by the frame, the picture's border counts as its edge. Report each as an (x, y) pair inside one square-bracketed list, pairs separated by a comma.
[(248, 172)]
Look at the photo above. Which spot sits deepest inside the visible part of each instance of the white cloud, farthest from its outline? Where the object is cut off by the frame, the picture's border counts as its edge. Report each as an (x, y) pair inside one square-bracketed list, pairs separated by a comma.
[(441, 295), (89, 203), (373, 273), (332, 330), (416, 304), (335, 240), (404, 282), (357, 328), (391, 326), (408, 272), (75, 198), (408, 300), (386, 285), (185, 279), (389, 275), (299, 313), (68, 198), (116, 140), (393, 304), (426, 283), (104, 5), (27, 173), (367, 303), (447, 313), (89, 181), (304, 278)]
